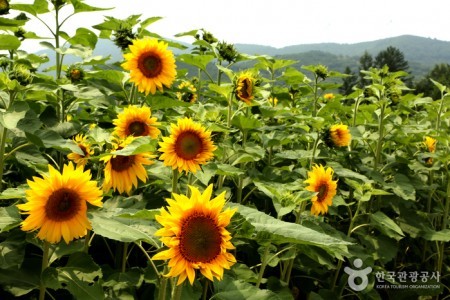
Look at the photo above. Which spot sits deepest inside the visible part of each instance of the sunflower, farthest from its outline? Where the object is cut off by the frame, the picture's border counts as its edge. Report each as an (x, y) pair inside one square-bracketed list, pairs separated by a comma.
[(122, 172), (150, 64), (320, 181), (188, 146), (339, 135), (136, 121), (188, 92), (57, 204), (84, 145), (329, 96), (245, 87), (430, 143), (194, 230)]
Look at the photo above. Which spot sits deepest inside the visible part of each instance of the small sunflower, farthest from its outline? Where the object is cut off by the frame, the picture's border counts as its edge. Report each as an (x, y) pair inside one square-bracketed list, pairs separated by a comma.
[(84, 145), (122, 172), (321, 181), (194, 230), (329, 96), (430, 143), (273, 101), (245, 87), (338, 136), (136, 121), (188, 92), (57, 204), (188, 146), (150, 64)]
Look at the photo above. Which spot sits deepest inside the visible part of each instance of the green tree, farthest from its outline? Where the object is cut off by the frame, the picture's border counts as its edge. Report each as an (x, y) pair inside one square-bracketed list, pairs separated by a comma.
[(365, 63), (393, 58), (441, 74), (348, 82)]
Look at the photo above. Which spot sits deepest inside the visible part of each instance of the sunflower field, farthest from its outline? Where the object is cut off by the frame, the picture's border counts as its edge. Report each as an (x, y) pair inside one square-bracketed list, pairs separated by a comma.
[(198, 172)]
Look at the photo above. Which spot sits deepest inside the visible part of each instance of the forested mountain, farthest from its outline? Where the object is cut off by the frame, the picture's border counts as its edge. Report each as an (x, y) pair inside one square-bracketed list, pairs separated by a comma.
[(421, 53)]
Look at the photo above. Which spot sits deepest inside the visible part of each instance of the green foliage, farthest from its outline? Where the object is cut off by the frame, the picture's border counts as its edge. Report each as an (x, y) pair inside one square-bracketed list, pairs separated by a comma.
[(391, 207)]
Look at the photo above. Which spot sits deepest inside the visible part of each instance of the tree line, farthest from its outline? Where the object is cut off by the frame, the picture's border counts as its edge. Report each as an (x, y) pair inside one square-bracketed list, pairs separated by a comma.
[(395, 60)]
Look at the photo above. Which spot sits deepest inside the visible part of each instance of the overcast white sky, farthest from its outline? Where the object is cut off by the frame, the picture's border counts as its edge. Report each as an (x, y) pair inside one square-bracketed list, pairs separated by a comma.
[(282, 23)]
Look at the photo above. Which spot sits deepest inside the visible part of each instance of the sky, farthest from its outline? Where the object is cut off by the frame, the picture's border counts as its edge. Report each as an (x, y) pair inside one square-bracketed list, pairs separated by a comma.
[(278, 23)]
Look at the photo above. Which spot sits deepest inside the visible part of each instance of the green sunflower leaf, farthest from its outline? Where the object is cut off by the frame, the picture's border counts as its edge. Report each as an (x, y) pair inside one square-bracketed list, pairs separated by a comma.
[(278, 232)]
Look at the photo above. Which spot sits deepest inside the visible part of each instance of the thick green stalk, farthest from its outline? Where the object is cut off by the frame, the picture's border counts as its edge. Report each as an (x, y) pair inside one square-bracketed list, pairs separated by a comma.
[(12, 96), (124, 257), (444, 225), (263, 266), (349, 232), (2, 155), (205, 289), (175, 181), (177, 291), (380, 138), (44, 266), (316, 81)]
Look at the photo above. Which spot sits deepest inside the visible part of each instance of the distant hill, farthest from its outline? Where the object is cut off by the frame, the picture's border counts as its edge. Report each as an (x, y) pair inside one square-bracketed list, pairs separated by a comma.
[(421, 53)]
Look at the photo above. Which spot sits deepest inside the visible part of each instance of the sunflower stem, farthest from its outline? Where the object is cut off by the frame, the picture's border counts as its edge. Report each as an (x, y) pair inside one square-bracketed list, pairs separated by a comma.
[(149, 259), (124, 257), (44, 266), (349, 232), (12, 96), (162, 288), (263, 266), (175, 181), (87, 239), (177, 291), (205, 289), (444, 226)]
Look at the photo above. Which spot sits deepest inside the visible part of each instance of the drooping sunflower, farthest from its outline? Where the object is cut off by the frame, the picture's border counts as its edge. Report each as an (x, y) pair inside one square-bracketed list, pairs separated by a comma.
[(245, 87), (430, 143), (85, 146), (188, 146), (57, 204), (151, 65), (194, 230), (190, 93), (136, 121), (122, 172), (339, 136), (321, 181)]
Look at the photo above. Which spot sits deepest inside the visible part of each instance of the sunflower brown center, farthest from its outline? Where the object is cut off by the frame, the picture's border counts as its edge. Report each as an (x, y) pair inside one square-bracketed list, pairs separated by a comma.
[(246, 90), (137, 128), (200, 239), (322, 192), (188, 145), (121, 163), (84, 149), (62, 205), (150, 65)]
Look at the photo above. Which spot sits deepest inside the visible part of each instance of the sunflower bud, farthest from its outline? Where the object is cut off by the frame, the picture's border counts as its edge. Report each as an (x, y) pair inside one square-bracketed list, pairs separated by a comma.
[(58, 3), (227, 52), (4, 7), (4, 62), (75, 73), (20, 33), (321, 71), (21, 17), (124, 37), (22, 74), (208, 37)]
